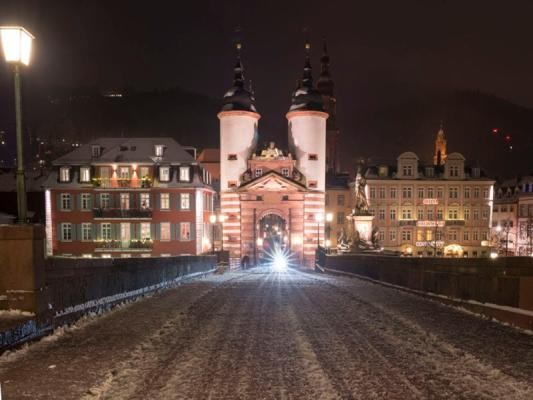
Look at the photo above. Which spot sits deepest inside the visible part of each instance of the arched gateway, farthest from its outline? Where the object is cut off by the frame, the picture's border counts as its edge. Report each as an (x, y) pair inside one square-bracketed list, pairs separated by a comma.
[(271, 194)]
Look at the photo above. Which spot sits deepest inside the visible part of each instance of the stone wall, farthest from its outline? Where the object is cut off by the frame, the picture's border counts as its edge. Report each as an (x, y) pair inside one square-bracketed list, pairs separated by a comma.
[(77, 286), (504, 281)]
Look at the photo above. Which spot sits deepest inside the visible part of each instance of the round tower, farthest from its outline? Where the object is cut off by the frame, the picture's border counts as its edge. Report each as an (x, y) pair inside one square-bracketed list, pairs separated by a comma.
[(238, 129), (307, 129)]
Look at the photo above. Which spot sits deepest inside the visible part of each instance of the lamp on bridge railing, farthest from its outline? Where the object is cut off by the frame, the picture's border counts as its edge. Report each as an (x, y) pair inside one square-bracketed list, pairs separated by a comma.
[(319, 217), (16, 43), (329, 218)]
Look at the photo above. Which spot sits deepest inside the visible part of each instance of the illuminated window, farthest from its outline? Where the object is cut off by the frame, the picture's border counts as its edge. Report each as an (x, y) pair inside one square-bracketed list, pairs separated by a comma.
[(419, 235), (392, 192), (124, 201), (164, 201), (429, 234), (164, 231), (66, 201), (185, 174), (95, 151), (407, 192), (86, 231), (124, 173), (66, 232), (85, 174), (105, 200), (185, 201), (392, 236), (145, 231), (164, 174), (393, 214), (406, 213), (159, 149), (406, 235), (144, 172), (185, 231), (64, 174), (145, 200)]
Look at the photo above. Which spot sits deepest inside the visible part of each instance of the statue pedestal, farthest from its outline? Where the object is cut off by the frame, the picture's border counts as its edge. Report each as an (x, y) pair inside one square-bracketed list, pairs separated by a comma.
[(363, 225)]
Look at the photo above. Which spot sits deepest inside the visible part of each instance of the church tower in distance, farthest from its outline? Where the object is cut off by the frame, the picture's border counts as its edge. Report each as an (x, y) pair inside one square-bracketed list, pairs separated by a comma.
[(440, 147)]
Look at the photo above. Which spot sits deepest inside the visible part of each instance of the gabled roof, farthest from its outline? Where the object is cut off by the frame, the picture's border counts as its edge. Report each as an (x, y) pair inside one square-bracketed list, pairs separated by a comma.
[(272, 181), (123, 150), (209, 156)]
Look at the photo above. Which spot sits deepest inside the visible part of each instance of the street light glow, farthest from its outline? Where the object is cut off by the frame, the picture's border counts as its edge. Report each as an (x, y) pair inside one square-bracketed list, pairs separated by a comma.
[(16, 43)]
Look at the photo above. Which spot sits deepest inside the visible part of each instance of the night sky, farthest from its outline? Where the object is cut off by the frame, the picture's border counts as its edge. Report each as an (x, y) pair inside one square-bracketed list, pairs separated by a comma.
[(380, 50)]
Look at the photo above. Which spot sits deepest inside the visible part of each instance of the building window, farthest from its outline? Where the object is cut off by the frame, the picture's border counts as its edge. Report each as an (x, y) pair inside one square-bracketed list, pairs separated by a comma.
[(439, 193), (372, 192), (420, 214), (496, 209), (476, 215), (393, 214), (105, 200), (145, 200), (420, 193), (64, 174), (145, 231), (95, 151), (475, 235), (466, 236), (165, 201), (85, 174), (159, 150), (313, 157), (381, 235), (452, 235), (408, 170), (381, 214), (467, 193), (258, 172), (429, 235), (504, 208), (124, 173), (232, 157), (431, 193), (340, 200), (106, 231), (453, 214), (66, 232), (164, 174), (185, 231), (485, 193), (453, 193), (185, 201), (454, 170), (86, 231), (185, 174), (381, 192), (340, 218), (466, 213), (419, 235), (476, 193), (144, 172), (392, 192), (484, 235), (407, 192), (406, 213), (406, 235), (164, 235), (124, 201), (285, 171), (85, 200), (485, 213), (430, 214), (392, 236), (439, 213), (66, 201)]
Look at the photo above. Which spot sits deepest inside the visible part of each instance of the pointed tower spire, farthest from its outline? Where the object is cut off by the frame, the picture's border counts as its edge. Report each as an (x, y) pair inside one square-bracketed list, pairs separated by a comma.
[(325, 83), (306, 97), (238, 97), (440, 146)]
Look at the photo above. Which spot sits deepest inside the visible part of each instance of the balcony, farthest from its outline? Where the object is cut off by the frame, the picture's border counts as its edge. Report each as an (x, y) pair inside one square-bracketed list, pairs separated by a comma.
[(133, 213), (407, 222), (120, 183), (119, 245), (455, 222)]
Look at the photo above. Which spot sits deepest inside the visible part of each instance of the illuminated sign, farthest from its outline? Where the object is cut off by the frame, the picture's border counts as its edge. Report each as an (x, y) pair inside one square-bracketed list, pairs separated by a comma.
[(438, 243), (430, 202), (430, 224)]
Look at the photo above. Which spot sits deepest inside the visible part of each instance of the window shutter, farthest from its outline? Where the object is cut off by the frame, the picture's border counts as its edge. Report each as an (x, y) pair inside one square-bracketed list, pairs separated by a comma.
[(178, 231), (115, 231), (76, 202), (58, 201), (178, 201), (157, 201), (90, 201), (96, 201), (170, 197), (152, 231), (76, 227), (95, 232), (172, 231), (193, 231), (112, 200), (132, 201), (192, 203), (59, 233), (157, 231), (133, 228)]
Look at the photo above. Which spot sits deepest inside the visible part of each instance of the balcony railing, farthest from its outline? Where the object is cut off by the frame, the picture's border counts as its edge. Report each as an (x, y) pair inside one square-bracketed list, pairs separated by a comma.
[(407, 222), (122, 213), (121, 183), (455, 222), (119, 245)]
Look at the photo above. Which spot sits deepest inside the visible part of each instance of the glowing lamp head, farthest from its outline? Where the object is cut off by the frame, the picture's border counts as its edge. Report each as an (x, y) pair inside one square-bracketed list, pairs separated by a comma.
[(498, 228), (319, 217), (16, 43), (328, 243), (493, 255), (329, 217), (212, 218), (279, 263), (221, 218)]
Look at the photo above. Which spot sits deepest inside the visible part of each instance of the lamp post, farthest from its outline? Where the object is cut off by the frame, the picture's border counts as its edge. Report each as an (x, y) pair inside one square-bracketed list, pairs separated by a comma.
[(213, 220), (16, 43), (319, 218), (329, 218), (221, 219)]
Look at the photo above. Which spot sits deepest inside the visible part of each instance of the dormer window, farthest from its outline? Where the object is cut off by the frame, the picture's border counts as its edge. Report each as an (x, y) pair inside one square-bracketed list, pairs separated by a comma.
[(454, 170), (64, 174), (164, 174), (430, 172), (285, 172), (95, 150), (408, 170), (185, 174), (258, 172), (85, 174), (159, 149)]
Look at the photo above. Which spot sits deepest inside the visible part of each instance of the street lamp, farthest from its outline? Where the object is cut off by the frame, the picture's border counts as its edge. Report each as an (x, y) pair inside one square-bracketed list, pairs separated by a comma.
[(213, 220), (221, 219), (16, 43), (329, 218), (319, 218)]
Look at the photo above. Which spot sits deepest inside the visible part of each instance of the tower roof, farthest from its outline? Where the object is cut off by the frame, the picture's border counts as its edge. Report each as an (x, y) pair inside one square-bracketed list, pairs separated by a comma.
[(306, 97), (238, 98), (325, 84)]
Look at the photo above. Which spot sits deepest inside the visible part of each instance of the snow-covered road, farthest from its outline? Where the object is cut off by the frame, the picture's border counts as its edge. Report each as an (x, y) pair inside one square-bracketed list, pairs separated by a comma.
[(265, 335)]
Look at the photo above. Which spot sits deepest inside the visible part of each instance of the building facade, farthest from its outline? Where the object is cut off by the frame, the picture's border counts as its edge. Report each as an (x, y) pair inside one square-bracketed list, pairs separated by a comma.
[(117, 197), (431, 210), (269, 197)]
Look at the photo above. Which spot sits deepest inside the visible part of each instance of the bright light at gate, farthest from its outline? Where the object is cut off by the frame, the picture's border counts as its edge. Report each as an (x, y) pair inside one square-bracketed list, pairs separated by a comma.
[(280, 262)]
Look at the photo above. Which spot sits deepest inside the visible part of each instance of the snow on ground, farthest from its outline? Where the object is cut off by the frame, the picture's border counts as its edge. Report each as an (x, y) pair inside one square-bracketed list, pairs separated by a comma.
[(265, 335)]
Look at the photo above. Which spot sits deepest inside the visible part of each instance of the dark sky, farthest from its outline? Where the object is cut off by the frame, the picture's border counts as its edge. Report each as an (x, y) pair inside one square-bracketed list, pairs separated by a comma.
[(379, 49)]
